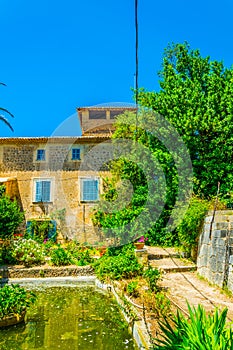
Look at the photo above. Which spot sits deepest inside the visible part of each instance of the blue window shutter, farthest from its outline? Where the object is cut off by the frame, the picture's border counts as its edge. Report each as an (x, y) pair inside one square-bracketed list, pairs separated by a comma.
[(43, 191), (38, 191), (52, 232), (46, 191), (90, 190)]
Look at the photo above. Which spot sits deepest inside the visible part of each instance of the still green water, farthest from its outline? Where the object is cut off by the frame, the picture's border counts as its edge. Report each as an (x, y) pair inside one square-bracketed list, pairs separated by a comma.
[(70, 318)]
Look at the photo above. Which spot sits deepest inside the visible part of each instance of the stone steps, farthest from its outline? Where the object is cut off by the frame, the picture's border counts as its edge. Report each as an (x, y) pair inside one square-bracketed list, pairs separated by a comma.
[(169, 260)]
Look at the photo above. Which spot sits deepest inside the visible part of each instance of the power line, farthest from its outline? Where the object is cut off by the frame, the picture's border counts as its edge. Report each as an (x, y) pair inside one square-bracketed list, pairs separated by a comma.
[(136, 61)]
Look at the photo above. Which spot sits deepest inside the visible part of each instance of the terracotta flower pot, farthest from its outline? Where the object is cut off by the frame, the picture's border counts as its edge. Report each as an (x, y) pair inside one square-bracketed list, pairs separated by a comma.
[(139, 245), (12, 320), (102, 250)]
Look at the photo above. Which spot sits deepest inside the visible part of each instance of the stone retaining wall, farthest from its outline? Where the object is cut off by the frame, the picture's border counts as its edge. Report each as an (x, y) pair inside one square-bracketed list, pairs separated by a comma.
[(215, 250), (42, 271)]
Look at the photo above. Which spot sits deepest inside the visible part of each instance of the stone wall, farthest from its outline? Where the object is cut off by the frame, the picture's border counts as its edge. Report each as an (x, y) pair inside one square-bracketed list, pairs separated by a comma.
[(43, 271), (215, 250)]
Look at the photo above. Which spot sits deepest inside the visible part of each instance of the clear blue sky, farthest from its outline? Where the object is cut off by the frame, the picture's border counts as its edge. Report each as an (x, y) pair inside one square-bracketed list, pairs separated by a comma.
[(59, 55)]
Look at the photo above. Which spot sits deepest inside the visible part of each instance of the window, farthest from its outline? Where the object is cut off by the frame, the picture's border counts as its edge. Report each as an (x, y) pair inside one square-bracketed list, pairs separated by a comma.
[(40, 154), (113, 114), (42, 190), (75, 153), (89, 190), (97, 114)]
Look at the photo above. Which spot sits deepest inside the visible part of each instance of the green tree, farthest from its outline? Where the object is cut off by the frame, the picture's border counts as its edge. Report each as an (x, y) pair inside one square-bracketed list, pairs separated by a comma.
[(196, 97), (4, 110), (10, 216), (153, 196)]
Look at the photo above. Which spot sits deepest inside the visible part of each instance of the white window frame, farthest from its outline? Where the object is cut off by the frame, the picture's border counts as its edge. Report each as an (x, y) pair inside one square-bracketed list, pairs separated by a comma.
[(89, 179), (35, 181)]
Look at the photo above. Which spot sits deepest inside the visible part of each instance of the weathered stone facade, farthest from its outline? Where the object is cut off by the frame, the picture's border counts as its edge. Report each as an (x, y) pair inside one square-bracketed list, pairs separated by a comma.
[(22, 169), (47, 167), (215, 251)]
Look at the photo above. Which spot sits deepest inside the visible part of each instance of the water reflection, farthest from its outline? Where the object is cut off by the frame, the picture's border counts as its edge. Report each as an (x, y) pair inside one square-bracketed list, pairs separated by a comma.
[(70, 318)]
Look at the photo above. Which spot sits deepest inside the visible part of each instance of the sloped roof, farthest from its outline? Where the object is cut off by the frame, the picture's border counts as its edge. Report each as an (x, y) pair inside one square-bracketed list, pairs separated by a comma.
[(56, 139)]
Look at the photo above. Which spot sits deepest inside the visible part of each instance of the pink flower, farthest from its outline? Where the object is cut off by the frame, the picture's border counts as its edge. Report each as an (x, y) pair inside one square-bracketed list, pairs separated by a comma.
[(142, 239)]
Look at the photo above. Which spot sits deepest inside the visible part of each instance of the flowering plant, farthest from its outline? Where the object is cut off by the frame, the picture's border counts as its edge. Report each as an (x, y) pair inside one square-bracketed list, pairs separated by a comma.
[(28, 251), (142, 239)]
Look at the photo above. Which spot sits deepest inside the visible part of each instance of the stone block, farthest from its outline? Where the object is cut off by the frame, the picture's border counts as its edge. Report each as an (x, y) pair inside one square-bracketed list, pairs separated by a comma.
[(218, 279), (203, 260), (220, 226), (204, 237), (212, 264), (206, 227), (208, 219), (221, 242), (214, 241), (220, 252), (212, 251), (220, 266), (202, 271), (216, 234), (231, 260), (203, 250)]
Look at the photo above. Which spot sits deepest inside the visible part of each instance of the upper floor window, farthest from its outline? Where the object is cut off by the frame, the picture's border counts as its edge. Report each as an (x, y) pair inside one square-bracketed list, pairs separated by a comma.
[(97, 114), (89, 189), (113, 114), (42, 190), (40, 154), (76, 154)]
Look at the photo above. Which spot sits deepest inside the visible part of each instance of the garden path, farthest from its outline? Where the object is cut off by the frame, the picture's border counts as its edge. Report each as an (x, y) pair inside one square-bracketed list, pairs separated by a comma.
[(183, 283)]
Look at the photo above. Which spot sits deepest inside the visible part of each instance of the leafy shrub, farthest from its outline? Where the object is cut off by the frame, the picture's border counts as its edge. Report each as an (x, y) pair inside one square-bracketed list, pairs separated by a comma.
[(118, 263), (14, 300), (132, 289), (83, 258), (79, 254), (41, 230), (152, 276), (48, 245), (10, 216), (157, 303), (6, 255), (191, 225), (59, 257), (200, 332), (28, 251)]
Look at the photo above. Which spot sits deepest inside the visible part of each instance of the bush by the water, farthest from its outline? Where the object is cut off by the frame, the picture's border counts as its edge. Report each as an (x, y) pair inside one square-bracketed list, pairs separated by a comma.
[(14, 300), (118, 263)]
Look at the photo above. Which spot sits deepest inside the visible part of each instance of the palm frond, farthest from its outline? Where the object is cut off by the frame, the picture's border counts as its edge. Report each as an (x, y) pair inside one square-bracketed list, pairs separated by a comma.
[(6, 111), (6, 122)]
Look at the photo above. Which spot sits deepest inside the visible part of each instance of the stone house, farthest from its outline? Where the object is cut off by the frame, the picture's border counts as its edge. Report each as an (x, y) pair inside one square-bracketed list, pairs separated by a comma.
[(58, 178)]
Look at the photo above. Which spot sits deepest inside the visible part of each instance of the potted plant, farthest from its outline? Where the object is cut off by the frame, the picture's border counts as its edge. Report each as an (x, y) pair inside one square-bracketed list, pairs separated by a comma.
[(139, 244), (18, 235), (14, 301), (101, 248)]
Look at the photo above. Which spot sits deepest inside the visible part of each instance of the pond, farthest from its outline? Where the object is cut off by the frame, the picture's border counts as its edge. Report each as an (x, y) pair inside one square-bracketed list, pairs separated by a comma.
[(69, 318)]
